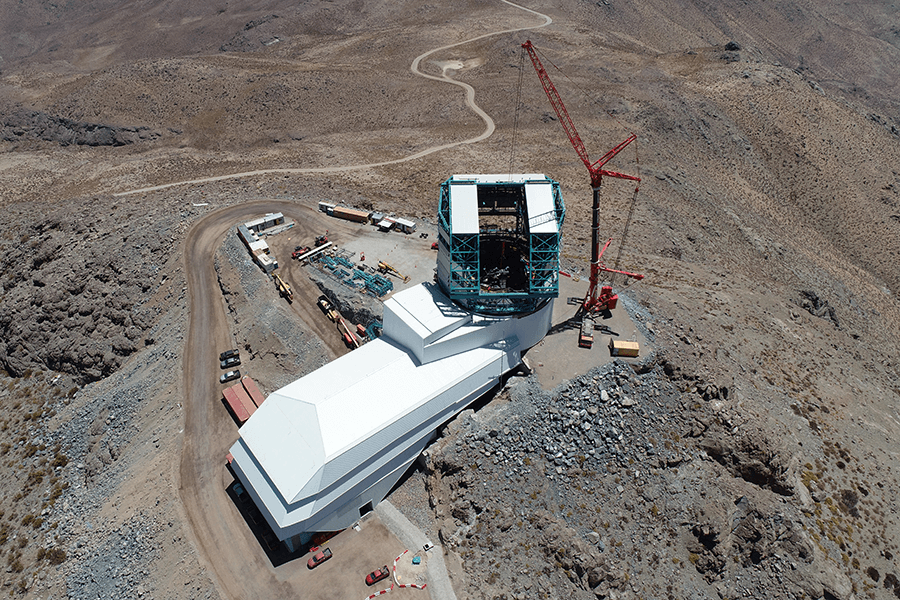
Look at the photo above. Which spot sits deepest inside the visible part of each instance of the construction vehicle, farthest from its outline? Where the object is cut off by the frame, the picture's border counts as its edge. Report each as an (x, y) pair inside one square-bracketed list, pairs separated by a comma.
[(386, 268), (603, 299), (283, 288), (321, 240), (349, 337), (300, 251)]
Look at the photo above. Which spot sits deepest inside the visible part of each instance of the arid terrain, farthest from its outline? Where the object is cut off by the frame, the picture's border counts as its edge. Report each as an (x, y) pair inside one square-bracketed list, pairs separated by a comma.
[(750, 452)]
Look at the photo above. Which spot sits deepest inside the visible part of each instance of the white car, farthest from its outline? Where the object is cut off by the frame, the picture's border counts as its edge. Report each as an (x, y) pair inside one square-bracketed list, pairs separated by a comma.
[(229, 376)]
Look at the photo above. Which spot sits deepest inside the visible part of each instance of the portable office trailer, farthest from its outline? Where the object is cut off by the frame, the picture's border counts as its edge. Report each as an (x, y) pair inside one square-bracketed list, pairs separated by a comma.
[(266, 222), (404, 225), (247, 236), (258, 246), (326, 207), (265, 261)]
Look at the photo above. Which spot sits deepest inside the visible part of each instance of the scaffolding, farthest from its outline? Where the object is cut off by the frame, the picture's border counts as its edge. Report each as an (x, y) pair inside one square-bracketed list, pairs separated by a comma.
[(493, 256), (373, 282), (355, 277)]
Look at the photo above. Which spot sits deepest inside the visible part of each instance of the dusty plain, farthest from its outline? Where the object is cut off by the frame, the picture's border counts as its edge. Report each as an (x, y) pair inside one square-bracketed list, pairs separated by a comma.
[(750, 452)]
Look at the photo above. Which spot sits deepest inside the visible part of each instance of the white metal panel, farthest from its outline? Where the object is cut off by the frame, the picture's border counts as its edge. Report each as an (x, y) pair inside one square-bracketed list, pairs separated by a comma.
[(500, 177), (539, 202), (463, 208), (427, 311), (283, 434), (342, 435)]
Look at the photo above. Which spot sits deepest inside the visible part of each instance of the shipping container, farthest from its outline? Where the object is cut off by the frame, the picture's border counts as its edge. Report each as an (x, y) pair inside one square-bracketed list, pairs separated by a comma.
[(351, 214), (244, 398), (253, 390), (235, 405)]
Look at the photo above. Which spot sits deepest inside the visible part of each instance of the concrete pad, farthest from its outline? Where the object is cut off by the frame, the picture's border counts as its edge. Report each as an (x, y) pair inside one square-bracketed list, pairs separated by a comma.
[(356, 554), (558, 357)]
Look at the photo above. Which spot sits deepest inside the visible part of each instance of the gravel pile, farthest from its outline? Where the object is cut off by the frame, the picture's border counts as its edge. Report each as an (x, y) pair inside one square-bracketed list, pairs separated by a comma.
[(117, 567)]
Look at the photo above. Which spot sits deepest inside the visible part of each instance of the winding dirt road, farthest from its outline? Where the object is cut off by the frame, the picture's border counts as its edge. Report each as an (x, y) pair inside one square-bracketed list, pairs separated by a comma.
[(225, 544), (229, 551), (414, 67)]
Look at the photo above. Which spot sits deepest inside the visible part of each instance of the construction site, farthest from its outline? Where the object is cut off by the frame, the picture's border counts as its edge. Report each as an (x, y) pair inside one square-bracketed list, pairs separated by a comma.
[(484, 295), (450, 302)]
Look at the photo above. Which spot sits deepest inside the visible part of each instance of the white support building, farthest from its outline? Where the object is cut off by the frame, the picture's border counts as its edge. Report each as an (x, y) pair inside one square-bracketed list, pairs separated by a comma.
[(325, 449)]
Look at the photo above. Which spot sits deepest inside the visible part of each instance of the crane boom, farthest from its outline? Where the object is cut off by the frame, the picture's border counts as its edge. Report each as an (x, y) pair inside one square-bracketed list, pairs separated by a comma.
[(605, 299), (557, 103)]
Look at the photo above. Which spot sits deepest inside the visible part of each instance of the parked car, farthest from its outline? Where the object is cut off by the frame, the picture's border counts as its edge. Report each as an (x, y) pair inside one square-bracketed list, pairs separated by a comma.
[(230, 362), (377, 575), (318, 558), (229, 376), (229, 353)]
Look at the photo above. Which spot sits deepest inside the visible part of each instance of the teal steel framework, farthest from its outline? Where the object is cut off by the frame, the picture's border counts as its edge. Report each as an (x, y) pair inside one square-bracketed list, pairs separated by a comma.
[(460, 262)]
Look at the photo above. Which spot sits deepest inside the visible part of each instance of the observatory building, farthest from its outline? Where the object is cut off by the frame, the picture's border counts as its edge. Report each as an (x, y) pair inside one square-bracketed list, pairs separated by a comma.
[(325, 449)]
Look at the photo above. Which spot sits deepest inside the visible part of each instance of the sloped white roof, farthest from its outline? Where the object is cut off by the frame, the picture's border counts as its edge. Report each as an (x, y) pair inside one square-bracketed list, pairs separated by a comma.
[(427, 311), (330, 412)]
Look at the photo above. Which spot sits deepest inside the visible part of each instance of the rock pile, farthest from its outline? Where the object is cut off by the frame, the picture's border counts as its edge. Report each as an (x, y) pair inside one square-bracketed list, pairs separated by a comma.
[(595, 491), (23, 124)]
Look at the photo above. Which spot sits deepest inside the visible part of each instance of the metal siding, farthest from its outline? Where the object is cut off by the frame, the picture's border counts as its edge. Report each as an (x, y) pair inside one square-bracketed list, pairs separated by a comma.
[(539, 200), (463, 208)]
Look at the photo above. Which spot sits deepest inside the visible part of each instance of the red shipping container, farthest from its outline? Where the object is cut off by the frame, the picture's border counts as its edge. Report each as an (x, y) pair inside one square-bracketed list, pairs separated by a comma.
[(253, 390), (236, 406)]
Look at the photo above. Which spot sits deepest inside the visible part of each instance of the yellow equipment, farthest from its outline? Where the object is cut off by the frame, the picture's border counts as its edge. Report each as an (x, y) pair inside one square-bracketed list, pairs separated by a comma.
[(283, 288)]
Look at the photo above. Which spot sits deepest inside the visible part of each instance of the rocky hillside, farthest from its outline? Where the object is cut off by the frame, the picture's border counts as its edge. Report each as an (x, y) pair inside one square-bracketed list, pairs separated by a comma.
[(752, 454), (76, 284)]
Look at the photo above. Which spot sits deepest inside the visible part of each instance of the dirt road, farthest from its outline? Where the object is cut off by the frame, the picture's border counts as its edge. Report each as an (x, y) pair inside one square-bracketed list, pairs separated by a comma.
[(414, 67), (231, 553)]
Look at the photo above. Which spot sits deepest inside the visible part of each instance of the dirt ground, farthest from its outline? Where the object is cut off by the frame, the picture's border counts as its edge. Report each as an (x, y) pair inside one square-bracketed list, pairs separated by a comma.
[(767, 225)]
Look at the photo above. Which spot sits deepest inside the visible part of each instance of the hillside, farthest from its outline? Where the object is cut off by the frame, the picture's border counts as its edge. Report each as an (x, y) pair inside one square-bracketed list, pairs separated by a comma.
[(767, 223)]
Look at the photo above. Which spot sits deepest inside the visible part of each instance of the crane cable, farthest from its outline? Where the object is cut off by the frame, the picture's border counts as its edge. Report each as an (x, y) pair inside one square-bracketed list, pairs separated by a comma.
[(630, 215), (636, 160), (512, 148)]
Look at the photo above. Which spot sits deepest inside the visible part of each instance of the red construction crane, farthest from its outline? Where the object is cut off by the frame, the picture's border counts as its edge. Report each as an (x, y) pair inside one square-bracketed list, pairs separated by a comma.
[(605, 299)]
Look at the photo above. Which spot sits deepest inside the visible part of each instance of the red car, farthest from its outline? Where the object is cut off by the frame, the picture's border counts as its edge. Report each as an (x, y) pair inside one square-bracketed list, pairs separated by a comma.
[(318, 558), (377, 575)]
